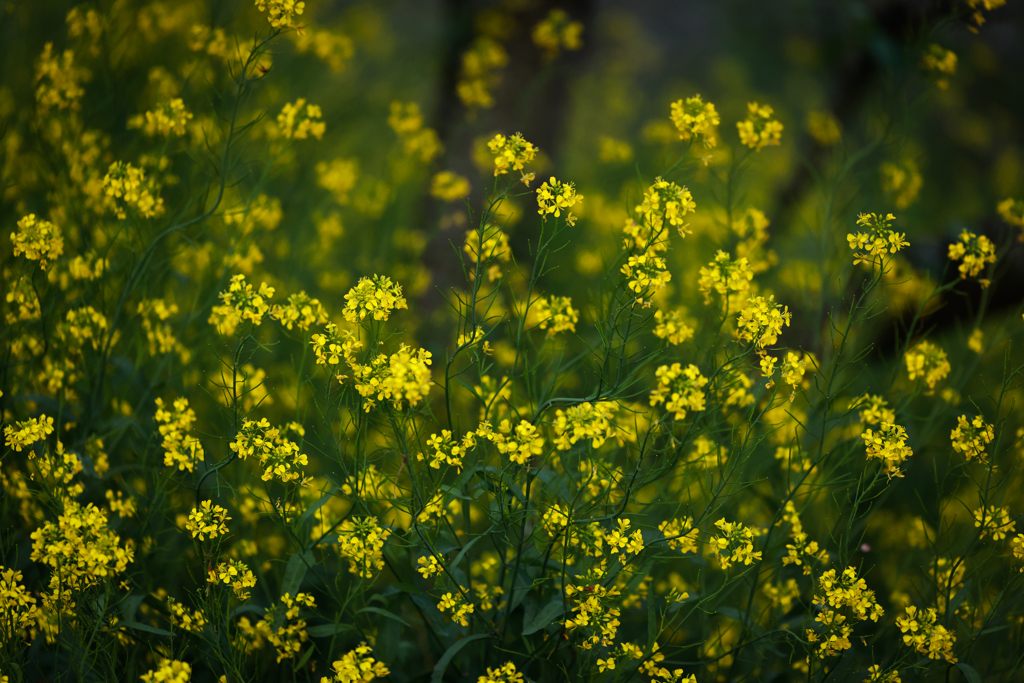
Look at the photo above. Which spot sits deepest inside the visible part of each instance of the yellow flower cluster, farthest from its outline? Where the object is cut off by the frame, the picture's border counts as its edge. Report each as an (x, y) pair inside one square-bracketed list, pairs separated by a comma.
[(518, 443), (446, 450), (338, 177), (923, 633), (181, 449), (334, 346), (301, 310), (878, 239), (128, 187), (81, 549), (646, 273), (38, 240), (585, 421), (404, 376), (357, 666), (975, 251), (457, 605), (449, 186), (298, 120), (555, 314), (235, 574), (888, 444), (166, 120), (207, 520), (554, 196), (480, 72), (841, 600), (680, 534), (664, 202), (824, 128), (281, 13), (734, 543), (940, 60), (279, 456), (592, 614), (376, 297), (1012, 211), (557, 32), (928, 361), (695, 119), (874, 409), (682, 387), (759, 128), (725, 275), (994, 522), (86, 324), (27, 432), (510, 153), (240, 302), (291, 634), (620, 540), (801, 551), (971, 437), (17, 606), (334, 48), (761, 321), (159, 334), (361, 542), (417, 140), (169, 671), (673, 326), (901, 182), (60, 80), (506, 673)]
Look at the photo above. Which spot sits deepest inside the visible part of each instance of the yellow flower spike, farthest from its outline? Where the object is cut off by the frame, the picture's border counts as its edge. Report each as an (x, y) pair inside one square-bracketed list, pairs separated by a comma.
[(695, 119), (511, 153), (38, 240), (282, 13), (976, 251), (759, 129)]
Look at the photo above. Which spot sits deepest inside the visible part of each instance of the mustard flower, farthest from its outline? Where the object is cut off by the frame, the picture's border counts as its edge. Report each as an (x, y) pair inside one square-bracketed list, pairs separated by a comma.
[(207, 520), (761, 321), (518, 442), (166, 120), (28, 432), (449, 186), (877, 241), (975, 251), (376, 296), (357, 666), (557, 32), (86, 324), (664, 202), (614, 151), (480, 73), (621, 540), (60, 80), (680, 388), (128, 187), (301, 310), (927, 361), (673, 326), (281, 13), (877, 675), (444, 449), (240, 302), (457, 605), (846, 592), (680, 534), (734, 543), (1012, 211), (695, 119), (38, 240), (1017, 548), (234, 574), (941, 61), (759, 128), (288, 637), (824, 128), (976, 342), (333, 47), (554, 196), (506, 673), (874, 409), (429, 566), (901, 182), (17, 606), (80, 547), (584, 422), (510, 153), (404, 376), (334, 346), (923, 633), (361, 542), (338, 177), (646, 273), (725, 275), (181, 449), (555, 314), (994, 522), (592, 615), (417, 141), (971, 437), (168, 671), (888, 444), (298, 120)]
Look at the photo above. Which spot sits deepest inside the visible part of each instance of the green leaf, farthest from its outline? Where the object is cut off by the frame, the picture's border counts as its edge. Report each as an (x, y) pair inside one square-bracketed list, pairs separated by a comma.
[(385, 613), (130, 605), (150, 629), (545, 616), (294, 573), (969, 672), (446, 658), (311, 510), (462, 553), (305, 658), (328, 630)]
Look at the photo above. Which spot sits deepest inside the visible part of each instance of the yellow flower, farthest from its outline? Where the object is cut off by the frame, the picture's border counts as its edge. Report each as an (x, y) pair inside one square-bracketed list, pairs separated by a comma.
[(281, 13), (361, 542), (298, 120), (824, 128), (480, 73), (554, 314), (975, 251), (556, 32), (694, 119), (971, 437), (506, 673), (901, 182), (734, 543), (725, 275), (554, 196), (207, 520), (376, 297), (928, 361), (166, 120), (923, 633), (681, 387), (759, 128), (240, 302), (888, 444), (127, 185), (449, 186), (169, 671), (673, 326), (38, 240), (357, 666), (877, 241), (994, 522), (940, 60), (510, 153)]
